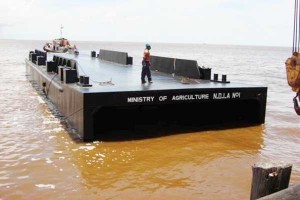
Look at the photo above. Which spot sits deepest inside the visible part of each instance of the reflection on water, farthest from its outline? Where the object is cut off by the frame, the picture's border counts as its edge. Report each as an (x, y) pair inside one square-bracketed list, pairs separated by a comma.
[(177, 166), (39, 159)]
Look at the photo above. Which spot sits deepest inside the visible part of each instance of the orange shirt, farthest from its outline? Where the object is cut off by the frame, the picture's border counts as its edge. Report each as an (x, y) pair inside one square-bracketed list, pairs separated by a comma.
[(147, 55)]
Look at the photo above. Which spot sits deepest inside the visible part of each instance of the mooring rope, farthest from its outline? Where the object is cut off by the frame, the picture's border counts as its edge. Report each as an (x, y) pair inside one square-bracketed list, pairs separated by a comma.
[(294, 27), (75, 112), (47, 90), (103, 83), (174, 67), (298, 25), (296, 33)]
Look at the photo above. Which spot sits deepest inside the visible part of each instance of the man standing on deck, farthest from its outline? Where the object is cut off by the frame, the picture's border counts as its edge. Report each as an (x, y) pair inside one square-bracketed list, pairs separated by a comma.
[(146, 65)]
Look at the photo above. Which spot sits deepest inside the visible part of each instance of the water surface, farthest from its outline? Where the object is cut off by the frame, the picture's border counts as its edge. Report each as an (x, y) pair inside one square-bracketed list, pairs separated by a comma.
[(40, 160)]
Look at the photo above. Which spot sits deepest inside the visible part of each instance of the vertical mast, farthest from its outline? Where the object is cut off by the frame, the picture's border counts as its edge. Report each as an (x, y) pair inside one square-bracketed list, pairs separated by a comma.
[(61, 28)]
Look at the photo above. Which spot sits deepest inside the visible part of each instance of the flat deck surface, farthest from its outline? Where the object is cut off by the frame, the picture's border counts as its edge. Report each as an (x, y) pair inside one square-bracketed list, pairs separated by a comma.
[(128, 78)]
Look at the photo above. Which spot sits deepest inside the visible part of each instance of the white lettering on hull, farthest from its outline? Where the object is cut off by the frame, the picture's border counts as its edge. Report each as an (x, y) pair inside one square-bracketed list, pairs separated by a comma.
[(185, 97), (221, 96), (140, 99)]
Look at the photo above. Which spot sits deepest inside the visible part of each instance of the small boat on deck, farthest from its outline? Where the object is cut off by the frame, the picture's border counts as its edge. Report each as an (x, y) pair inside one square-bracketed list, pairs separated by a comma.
[(61, 45)]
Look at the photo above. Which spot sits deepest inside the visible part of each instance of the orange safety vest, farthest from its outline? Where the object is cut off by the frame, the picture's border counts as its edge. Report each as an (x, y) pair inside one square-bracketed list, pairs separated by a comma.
[(147, 55)]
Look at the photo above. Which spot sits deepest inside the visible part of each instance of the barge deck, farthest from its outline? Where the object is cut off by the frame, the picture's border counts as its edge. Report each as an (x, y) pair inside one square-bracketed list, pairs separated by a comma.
[(101, 94)]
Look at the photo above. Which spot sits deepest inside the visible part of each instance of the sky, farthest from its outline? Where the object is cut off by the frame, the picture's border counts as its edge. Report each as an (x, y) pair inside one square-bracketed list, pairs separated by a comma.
[(236, 22)]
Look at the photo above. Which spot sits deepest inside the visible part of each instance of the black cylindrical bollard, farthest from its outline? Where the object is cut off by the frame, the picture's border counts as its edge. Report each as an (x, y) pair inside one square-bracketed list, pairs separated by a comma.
[(33, 57), (81, 79), (93, 54), (86, 80), (207, 74), (30, 52), (224, 77), (215, 77)]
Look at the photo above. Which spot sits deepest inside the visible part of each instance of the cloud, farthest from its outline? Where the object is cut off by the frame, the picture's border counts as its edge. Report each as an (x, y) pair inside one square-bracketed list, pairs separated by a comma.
[(194, 21), (15, 11)]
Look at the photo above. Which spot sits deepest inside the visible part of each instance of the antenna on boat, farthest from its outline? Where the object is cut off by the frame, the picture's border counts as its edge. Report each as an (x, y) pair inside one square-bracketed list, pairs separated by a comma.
[(61, 28)]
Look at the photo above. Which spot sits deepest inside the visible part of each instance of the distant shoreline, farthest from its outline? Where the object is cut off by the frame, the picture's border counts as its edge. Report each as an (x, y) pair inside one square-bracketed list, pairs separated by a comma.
[(137, 42)]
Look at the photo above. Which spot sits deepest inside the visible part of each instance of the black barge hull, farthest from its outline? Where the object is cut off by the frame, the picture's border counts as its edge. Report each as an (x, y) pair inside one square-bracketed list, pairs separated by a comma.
[(113, 97)]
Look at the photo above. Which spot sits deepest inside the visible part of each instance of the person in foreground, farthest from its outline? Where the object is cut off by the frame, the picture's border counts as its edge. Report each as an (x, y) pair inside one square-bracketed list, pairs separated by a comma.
[(146, 65)]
